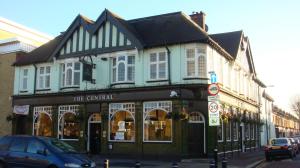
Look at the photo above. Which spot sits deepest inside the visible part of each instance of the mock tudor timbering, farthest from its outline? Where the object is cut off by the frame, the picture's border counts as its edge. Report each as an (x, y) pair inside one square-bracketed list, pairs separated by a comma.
[(149, 93)]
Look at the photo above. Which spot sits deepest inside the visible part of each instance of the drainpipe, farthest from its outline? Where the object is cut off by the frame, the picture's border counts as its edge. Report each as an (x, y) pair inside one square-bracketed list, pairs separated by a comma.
[(169, 65), (35, 75)]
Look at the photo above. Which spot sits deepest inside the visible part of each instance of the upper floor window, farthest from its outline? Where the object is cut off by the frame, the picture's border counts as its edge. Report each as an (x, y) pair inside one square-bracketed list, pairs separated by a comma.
[(43, 79), (196, 63), (158, 66), (24, 79), (70, 74), (123, 68)]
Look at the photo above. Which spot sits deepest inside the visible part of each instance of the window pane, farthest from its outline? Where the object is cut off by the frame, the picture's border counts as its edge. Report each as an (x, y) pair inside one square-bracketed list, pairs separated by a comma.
[(69, 64), (24, 83), (25, 72), (69, 126), (69, 77), (122, 127), (153, 71), (121, 58), (18, 146), (76, 78), (220, 132), (202, 66), (157, 127), (47, 69), (190, 53), (153, 57), (162, 70), (34, 146), (191, 68), (121, 72), (42, 70), (114, 61), (41, 82), (47, 82), (77, 66), (130, 74), (130, 59), (228, 131), (114, 74), (162, 56)]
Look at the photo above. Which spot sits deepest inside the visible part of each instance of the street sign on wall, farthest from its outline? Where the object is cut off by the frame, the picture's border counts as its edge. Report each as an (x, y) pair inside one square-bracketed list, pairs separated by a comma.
[(213, 113)]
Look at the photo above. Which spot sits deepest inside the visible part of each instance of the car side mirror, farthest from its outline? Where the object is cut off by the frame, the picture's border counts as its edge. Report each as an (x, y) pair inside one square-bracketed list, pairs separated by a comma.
[(41, 152)]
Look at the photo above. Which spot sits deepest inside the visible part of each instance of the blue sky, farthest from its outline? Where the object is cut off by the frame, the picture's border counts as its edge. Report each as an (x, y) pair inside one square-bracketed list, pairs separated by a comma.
[(273, 27)]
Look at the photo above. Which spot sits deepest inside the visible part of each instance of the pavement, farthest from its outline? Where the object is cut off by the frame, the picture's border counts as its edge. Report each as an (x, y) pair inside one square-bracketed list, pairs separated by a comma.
[(237, 160)]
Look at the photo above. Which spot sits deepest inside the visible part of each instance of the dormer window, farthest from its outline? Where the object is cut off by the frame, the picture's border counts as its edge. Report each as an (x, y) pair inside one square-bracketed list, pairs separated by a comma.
[(70, 74), (123, 68)]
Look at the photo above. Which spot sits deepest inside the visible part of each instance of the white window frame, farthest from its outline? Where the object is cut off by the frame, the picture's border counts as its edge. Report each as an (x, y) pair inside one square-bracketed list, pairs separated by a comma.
[(64, 68), (157, 63), (221, 125), (43, 76), (119, 107), (165, 106), (36, 113), (197, 63), (126, 64), (61, 112), (24, 79)]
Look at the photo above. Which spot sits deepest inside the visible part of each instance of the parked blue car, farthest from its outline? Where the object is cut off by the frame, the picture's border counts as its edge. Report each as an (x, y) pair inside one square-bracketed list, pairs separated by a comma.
[(40, 152)]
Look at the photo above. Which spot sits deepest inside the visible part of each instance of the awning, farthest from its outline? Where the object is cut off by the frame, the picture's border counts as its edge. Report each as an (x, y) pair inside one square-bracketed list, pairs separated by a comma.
[(22, 110)]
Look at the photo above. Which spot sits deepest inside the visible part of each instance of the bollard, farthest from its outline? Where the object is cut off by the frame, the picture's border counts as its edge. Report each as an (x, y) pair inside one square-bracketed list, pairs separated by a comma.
[(224, 163), (212, 164), (174, 165), (106, 163), (137, 164), (216, 157)]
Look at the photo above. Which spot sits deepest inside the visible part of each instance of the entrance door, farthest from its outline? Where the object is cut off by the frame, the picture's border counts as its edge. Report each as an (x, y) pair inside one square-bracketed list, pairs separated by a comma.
[(94, 133), (21, 124), (95, 138), (196, 135)]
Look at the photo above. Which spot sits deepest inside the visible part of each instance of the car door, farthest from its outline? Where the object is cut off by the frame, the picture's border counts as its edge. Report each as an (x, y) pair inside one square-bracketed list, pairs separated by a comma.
[(16, 153), (36, 156)]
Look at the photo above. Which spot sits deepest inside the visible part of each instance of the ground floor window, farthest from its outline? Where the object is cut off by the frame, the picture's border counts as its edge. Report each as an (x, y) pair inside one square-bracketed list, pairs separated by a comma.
[(247, 131), (42, 121), (228, 131), (68, 123), (220, 130), (235, 130), (157, 126), (122, 121)]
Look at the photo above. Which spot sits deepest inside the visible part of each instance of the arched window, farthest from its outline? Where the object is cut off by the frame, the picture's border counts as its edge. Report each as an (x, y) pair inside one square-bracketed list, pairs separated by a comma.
[(122, 122), (42, 121), (123, 68), (196, 117), (157, 126), (69, 126)]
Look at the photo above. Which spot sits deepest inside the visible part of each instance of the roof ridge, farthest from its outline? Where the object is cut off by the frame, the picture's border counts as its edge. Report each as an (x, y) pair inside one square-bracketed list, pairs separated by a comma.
[(226, 32), (148, 17)]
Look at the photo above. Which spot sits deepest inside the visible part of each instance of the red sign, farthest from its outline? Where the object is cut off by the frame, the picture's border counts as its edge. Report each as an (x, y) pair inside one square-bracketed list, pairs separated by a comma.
[(213, 89)]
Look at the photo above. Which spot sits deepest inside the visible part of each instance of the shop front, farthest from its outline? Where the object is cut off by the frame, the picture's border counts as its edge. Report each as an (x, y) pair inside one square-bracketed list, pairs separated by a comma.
[(141, 122)]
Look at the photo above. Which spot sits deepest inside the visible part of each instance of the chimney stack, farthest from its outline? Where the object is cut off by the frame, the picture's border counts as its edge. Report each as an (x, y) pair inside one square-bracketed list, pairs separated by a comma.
[(199, 18)]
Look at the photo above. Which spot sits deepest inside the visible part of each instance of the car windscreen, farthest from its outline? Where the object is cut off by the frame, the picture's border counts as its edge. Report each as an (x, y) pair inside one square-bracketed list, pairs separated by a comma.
[(279, 141), (60, 146)]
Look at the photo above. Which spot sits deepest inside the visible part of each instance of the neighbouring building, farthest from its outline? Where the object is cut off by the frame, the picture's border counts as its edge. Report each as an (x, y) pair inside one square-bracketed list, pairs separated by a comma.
[(139, 87), (15, 41), (267, 125), (286, 124)]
